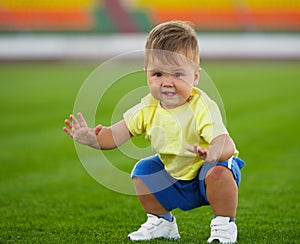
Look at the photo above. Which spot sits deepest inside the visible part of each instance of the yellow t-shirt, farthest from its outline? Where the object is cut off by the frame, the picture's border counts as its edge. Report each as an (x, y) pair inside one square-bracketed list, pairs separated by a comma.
[(171, 131)]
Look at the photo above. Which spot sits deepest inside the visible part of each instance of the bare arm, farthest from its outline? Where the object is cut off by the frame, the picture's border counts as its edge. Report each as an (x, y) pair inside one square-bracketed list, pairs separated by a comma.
[(113, 136), (221, 149), (99, 137)]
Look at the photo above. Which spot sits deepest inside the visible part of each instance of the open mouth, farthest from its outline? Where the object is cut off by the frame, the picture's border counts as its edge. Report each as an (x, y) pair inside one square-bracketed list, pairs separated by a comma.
[(169, 93)]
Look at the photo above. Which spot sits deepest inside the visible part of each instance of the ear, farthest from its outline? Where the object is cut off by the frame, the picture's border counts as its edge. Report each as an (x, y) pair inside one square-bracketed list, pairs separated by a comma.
[(196, 76)]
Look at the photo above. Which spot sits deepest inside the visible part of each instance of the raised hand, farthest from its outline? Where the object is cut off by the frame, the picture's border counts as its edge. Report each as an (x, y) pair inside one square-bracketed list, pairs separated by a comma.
[(80, 132)]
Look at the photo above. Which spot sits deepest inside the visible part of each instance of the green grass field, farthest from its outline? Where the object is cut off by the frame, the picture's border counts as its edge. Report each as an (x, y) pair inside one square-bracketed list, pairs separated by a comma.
[(46, 196)]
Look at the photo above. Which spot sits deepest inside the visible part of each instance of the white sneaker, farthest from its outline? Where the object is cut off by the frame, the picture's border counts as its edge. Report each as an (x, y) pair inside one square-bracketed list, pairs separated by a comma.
[(155, 228), (222, 230)]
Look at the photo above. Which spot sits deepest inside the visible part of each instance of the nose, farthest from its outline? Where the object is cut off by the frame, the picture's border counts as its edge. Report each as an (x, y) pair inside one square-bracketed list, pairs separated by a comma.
[(167, 82)]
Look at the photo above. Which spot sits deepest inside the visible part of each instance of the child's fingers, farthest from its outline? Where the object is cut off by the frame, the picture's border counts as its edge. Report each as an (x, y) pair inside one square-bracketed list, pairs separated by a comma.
[(191, 149), (82, 120), (68, 131), (201, 152), (68, 123), (198, 150), (75, 123), (98, 129)]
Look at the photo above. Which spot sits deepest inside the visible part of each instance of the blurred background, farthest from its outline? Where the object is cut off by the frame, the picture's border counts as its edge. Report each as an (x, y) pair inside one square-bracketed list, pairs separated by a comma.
[(93, 29)]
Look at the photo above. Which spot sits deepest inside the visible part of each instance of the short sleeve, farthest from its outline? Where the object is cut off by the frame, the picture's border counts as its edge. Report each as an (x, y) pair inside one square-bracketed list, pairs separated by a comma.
[(134, 120), (139, 117), (211, 124)]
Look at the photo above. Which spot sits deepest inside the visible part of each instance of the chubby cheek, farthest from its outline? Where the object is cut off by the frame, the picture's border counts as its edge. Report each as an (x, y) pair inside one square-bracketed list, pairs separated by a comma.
[(155, 91), (185, 90), (154, 85), (154, 82)]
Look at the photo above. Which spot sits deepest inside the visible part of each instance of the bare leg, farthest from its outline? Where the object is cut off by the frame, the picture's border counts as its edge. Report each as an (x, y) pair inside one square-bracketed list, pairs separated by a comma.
[(148, 200), (222, 191)]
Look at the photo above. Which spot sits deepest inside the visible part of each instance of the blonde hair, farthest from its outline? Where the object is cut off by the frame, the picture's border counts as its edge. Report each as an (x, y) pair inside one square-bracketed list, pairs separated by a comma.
[(176, 37)]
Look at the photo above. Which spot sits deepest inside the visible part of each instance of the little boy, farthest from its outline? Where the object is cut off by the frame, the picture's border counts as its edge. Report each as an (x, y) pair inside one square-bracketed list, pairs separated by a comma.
[(196, 161)]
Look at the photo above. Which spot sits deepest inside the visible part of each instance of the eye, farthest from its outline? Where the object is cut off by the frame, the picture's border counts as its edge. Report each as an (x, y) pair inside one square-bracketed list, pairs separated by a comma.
[(158, 74), (178, 74)]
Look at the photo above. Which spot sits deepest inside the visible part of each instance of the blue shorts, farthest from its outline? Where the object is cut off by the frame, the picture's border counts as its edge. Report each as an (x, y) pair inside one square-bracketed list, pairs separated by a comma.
[(172, 193)]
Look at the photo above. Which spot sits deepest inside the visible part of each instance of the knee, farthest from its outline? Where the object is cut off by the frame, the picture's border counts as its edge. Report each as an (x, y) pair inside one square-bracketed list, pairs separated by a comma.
[(218, 174)]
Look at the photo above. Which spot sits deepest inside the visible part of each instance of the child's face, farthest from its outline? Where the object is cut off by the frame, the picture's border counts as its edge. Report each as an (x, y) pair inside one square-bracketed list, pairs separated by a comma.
[(171, 84)]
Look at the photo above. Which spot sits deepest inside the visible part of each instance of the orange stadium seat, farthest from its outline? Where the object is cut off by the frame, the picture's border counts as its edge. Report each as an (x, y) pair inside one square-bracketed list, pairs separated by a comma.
[(140, 15)]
